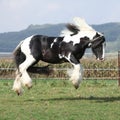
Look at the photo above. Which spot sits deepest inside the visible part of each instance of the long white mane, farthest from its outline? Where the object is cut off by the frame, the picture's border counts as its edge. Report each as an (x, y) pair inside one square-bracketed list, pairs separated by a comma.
[(80, 24)]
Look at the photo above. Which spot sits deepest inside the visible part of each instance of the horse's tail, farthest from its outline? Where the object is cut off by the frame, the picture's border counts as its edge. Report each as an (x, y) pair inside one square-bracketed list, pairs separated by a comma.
[(17, 48), (19, 57)]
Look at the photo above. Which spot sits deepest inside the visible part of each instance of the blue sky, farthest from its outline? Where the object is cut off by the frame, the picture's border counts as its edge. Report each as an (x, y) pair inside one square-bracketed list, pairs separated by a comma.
[(16, 15)]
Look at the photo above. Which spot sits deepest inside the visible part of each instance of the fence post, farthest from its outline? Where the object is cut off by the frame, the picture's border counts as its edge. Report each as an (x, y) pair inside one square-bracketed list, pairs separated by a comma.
[(118, 68)]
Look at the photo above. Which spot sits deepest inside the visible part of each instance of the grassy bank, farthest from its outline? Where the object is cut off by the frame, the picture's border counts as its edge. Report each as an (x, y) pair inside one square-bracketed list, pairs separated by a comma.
[(58, 100)]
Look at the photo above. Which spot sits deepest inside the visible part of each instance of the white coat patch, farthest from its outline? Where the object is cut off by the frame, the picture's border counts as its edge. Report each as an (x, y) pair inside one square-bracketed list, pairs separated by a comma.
[(76, 38), (55, 40), (25, 48)]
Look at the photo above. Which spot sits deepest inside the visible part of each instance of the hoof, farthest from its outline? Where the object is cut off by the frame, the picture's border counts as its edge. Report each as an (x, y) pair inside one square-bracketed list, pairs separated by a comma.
[(19, 92), (28, 86), (76, 86)]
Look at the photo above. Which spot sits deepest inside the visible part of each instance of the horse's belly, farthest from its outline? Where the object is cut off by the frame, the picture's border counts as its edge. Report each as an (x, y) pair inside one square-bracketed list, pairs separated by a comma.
[(52, 60), (51, 57)]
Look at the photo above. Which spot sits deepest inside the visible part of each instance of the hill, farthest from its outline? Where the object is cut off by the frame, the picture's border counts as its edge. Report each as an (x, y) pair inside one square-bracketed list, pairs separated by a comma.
[(9, 40)]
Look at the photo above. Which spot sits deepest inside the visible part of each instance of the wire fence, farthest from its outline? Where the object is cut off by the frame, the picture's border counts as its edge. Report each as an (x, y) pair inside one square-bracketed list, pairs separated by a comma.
[(93, 70)]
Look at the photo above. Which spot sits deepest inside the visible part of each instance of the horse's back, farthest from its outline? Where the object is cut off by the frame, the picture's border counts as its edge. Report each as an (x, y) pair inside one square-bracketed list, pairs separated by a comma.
[(45, 48)]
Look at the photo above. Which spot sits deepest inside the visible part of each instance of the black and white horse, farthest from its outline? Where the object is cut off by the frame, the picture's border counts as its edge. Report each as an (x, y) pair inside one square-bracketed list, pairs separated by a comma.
[(69, 47)]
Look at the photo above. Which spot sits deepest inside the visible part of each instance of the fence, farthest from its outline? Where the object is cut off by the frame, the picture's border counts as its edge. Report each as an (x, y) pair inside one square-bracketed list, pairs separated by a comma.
[(93, 69)]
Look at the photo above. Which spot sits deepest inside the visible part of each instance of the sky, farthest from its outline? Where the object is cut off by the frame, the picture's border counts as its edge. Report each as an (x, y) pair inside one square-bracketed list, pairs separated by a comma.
[(16, 15)]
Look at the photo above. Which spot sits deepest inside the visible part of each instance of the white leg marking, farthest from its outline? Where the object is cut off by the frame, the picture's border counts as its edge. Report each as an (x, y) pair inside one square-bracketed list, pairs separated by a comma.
[(17, 86), (25, 78), (76, 76)]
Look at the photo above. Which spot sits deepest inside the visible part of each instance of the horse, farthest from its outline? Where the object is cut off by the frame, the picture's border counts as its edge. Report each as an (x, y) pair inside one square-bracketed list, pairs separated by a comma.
[(69, 47)]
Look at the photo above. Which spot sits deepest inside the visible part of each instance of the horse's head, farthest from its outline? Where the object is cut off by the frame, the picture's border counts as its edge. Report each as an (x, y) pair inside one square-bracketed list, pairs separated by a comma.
[(97, 46), (82, 33)]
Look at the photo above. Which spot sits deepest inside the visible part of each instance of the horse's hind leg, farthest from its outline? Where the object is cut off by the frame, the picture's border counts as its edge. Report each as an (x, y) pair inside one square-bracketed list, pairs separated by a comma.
[(25, 78), (17, 86), (22, 77), (19, 58)]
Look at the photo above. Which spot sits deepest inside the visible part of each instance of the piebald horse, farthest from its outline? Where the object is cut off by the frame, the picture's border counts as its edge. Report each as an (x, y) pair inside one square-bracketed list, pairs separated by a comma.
[(69, 47)]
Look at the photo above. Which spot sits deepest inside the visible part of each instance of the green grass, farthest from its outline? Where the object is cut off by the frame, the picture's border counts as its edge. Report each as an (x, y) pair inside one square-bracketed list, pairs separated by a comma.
[(58, 100)]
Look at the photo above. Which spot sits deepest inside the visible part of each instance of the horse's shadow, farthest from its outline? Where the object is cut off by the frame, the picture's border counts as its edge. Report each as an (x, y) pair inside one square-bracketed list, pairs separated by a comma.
[(90, 98)]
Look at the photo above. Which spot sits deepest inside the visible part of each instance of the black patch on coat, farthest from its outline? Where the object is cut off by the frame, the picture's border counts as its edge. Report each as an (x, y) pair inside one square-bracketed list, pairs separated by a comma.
[(19, 57)]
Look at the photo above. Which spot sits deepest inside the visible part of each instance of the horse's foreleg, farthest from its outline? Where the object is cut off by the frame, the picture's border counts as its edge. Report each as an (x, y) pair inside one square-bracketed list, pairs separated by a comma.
[(76, 76)]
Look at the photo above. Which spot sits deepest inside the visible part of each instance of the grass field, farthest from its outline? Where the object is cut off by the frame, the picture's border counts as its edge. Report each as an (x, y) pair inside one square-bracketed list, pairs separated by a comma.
[(58, 100)]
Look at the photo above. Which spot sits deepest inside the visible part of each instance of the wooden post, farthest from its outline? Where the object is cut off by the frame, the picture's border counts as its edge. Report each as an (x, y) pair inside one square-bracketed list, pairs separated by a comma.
[(118, 68)]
